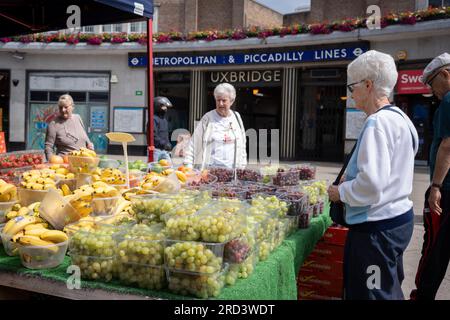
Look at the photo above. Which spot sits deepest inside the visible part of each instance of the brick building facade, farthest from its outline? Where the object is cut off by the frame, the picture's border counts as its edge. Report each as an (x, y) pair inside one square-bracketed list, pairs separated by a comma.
[(330, 10), (197, 15)]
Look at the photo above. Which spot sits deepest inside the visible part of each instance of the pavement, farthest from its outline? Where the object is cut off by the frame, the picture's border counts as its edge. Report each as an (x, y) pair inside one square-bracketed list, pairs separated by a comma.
[(412, 254)]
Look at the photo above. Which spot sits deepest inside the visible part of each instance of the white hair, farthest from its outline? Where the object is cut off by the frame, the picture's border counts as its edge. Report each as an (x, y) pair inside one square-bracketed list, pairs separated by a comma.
[(64, 100), (225, 89), (376, 66)]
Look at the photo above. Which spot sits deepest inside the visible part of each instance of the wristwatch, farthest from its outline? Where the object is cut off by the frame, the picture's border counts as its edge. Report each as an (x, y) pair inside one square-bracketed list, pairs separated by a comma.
[(436, 185)]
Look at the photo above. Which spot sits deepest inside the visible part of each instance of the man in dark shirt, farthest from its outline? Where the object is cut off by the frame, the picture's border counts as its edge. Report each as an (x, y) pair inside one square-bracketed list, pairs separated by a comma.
[(161, 129), (436, 246)]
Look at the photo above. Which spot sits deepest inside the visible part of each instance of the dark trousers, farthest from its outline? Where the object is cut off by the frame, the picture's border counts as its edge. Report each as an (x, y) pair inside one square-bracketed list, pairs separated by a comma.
[(373, 263), (435, 250)]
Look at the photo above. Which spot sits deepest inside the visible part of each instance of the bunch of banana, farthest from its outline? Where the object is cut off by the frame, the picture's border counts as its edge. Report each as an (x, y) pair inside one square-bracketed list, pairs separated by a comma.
[(62, 173), (8, 192), (81, 200), (83, 152), (167, 172), (38, 179), (123, 207), (17, 210), (65, 190), (151, 181), (103, 190), (109, 176), (181, 176), (86, 223), (83, 161), (33, 231)]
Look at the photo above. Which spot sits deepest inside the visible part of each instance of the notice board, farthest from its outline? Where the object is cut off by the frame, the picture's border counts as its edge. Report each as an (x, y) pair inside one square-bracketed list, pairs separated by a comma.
[(129, 119), (354, 121)]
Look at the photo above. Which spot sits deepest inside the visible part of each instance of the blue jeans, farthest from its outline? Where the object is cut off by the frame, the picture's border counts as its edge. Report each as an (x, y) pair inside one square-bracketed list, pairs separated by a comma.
[(159, 154)]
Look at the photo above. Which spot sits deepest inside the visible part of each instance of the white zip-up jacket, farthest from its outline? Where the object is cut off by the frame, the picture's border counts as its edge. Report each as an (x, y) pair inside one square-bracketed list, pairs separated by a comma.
[(198, 153), (379, 176)]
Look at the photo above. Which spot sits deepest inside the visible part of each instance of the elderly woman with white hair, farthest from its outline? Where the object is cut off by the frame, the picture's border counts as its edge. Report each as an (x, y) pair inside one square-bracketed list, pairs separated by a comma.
[(219, 139), (377, 184), (66, 133)]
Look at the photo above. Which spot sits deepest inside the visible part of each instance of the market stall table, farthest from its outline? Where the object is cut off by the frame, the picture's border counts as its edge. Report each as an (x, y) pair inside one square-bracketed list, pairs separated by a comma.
[(273, 279)]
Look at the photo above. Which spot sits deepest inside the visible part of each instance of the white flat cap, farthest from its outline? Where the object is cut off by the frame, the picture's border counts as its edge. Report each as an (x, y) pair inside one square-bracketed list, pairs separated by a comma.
[(435, 64)]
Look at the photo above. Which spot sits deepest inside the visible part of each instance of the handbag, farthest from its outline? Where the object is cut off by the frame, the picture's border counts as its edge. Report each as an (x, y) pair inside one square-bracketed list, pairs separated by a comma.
[(337, 209)]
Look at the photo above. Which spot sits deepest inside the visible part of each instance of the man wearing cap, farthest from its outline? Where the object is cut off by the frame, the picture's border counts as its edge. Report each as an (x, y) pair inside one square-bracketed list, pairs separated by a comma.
[(436, 247)]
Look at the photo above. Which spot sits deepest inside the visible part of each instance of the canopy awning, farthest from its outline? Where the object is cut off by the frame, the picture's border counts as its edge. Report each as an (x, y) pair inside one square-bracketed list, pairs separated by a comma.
[(19, 17)]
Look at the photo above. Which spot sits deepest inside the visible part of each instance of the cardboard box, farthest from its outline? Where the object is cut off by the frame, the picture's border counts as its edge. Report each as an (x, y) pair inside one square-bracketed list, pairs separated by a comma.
[(315, 292), (335, 235), (328, 251), (320, 281), (311, 276), (335, 268)]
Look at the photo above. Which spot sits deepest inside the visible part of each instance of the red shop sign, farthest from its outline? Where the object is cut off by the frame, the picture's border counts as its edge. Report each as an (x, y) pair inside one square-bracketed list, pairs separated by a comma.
[(409, 82)]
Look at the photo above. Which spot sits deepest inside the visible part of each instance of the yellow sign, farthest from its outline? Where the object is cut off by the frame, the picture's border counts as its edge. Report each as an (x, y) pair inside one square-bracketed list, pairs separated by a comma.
[(402, 55)]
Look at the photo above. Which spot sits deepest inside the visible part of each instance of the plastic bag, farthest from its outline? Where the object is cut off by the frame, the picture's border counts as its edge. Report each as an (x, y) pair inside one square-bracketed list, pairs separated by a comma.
[(170, 185)]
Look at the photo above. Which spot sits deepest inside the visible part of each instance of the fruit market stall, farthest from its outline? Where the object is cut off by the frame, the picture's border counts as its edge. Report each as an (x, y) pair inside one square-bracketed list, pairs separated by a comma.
[(272, 279), (177, 233)]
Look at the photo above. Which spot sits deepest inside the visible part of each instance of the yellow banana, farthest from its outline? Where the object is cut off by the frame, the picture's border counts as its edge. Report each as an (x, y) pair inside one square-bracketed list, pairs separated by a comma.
[(54, 236), (33, 206), (99, 184), (122, 206), (66, 190), (36, 241), (18, 224), (5, 197), (2, 182), (17, 236), (35, 232), (111, 192), (11, 215), (36, 226), (23, 211)]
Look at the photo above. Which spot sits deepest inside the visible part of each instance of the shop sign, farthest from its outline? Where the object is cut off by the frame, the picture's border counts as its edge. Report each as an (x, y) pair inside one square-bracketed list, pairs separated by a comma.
[(410, 82), (246, 76), (293, 56)]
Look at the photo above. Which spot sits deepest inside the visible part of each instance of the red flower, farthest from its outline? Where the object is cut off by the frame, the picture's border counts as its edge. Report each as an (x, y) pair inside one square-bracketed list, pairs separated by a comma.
[(320, 29)]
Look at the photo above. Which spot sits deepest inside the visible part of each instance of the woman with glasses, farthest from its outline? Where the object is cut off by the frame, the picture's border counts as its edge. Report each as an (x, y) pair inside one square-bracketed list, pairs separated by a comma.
[(66, 133), (377, 184)]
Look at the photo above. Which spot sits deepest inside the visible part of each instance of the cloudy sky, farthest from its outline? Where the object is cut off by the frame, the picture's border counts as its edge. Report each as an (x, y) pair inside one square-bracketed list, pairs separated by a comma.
[(284, 6)]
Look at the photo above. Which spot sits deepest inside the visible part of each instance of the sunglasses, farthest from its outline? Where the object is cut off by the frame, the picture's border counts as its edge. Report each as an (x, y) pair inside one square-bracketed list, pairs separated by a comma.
[(350, 86), (430, 81)]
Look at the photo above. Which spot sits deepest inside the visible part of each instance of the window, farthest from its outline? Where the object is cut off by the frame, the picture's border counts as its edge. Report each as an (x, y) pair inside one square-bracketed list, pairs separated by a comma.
[(138, 27), (88, 29), (155, 18), (98, 96), (107, 28), (438, 3), (117, 28)]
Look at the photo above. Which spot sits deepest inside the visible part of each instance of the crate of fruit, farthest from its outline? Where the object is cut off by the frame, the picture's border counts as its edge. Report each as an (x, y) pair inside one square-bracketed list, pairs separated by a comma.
[(198, 284), (19, 159), (222, 174), (306, 171)]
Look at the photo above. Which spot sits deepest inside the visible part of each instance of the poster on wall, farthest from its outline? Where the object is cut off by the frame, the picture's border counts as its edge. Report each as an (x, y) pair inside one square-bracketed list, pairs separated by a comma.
[(354, 120), (129, 119), (41, 114)]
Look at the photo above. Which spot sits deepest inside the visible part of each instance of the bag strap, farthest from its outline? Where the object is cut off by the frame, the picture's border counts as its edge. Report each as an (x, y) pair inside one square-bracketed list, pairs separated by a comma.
[(341, 173), (412, 136)]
